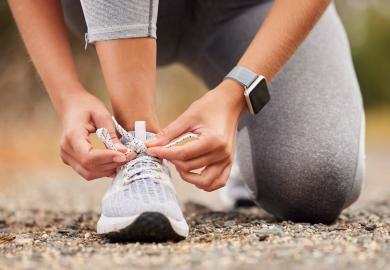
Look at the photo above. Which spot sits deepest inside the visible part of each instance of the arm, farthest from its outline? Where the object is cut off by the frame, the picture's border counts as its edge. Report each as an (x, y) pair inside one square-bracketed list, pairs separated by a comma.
[(42, 27), (268, 52), (217, 125)]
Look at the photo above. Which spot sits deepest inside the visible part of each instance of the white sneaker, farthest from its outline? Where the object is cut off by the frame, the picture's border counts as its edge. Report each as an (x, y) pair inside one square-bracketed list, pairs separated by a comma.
[(141, 203), (240, 188), (236, 193)]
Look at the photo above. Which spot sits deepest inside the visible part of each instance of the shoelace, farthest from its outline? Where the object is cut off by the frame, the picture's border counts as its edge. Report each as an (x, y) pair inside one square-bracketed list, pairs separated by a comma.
[(141, 167)]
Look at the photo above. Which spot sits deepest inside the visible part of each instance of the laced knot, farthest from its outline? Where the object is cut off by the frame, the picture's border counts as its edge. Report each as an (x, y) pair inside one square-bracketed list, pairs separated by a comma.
[(141, 167)]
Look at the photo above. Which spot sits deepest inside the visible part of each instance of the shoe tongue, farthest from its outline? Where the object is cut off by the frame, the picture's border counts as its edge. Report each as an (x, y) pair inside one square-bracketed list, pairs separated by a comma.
[(140, 130)]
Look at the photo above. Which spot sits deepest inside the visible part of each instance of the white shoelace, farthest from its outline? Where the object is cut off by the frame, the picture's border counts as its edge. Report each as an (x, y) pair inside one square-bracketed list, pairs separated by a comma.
[(141, 167)]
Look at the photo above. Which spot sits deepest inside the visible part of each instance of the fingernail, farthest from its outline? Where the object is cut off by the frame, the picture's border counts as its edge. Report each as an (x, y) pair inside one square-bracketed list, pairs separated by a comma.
[(119, 159)]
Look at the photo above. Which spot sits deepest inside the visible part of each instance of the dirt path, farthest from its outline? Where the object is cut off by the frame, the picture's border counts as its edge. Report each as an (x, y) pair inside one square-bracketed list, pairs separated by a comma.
[(48, 217)]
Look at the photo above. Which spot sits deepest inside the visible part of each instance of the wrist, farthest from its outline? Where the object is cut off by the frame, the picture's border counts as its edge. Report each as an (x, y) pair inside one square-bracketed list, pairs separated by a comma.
[(62, 95), (233, 93)]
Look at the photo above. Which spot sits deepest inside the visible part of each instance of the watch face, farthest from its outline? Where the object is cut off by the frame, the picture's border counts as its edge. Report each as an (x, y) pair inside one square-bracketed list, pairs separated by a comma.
[(259, 96)]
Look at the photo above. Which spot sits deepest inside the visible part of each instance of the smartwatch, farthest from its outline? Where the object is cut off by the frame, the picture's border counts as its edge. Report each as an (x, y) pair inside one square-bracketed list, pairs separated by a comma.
[(256, 90)]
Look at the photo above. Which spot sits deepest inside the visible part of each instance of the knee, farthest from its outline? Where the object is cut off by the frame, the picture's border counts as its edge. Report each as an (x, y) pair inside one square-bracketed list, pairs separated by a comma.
[(314, 190)]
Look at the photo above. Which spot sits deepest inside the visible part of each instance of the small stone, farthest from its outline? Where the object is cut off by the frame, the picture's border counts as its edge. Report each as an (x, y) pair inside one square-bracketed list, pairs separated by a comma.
[(3, 223), (4, 238), (262, 237), (370, 227), (30, 223), (87, 235), (272, 230), (24, 241), (229, 223)]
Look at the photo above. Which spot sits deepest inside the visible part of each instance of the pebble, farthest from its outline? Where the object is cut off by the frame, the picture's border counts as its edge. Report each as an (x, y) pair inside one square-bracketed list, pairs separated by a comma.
[(3, 223), (370, 227), (30, 223), (4, 238), (233, 240), (272, 230), (229, 223), (24, 241)]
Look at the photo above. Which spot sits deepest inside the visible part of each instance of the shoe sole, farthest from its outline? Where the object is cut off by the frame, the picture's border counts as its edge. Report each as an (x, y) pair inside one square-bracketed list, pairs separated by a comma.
[(146, 227)]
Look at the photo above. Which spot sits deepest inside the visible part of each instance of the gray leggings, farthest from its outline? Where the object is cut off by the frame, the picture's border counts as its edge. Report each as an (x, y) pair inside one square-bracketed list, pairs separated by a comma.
[(303, 155)]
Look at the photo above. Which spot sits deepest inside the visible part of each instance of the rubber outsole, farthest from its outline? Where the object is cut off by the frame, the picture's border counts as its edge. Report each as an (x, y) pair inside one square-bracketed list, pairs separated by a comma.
[(148, 227)]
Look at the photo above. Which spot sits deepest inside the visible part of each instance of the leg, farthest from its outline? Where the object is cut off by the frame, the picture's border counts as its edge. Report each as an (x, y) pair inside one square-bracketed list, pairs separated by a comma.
[(129, 65), (307, 148), (129, 68)]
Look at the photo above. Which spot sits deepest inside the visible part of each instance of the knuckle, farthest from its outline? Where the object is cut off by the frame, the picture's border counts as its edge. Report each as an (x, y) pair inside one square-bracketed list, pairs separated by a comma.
[(225, 151), (102, 115), (88, 176), (185, 167), (68, 134), (86, 162), (182, 155), (230, 158), (182, 174), (220, 141), (207, 182), (208, 188)]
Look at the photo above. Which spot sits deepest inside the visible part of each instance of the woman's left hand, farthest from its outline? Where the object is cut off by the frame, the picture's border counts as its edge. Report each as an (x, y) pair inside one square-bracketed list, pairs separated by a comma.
[(214, 117)]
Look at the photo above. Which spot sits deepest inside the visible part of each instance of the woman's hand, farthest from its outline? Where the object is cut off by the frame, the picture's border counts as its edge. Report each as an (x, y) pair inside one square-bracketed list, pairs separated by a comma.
[(214, 117), (83, 113)]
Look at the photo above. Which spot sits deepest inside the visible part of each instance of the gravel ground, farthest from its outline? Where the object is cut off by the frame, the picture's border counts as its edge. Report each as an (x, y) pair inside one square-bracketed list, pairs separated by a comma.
[(244, 239), (50, 224)]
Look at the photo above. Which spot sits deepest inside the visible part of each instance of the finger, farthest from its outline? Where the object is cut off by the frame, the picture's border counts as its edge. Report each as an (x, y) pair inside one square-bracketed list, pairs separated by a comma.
[(90, 158), (86, 173), (115, 165), (172, 131), (197, 163), (108, 166), (221, 181), (188, 151), (105, 121), (206, 178)]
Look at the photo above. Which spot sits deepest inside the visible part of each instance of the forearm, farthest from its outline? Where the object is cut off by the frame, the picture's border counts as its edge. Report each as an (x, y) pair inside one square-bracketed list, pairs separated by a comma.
[(286, 26), (42, 28)]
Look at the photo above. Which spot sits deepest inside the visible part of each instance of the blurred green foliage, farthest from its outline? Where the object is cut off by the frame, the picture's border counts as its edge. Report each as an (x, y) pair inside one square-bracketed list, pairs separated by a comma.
[(368, 28), (372, 59)]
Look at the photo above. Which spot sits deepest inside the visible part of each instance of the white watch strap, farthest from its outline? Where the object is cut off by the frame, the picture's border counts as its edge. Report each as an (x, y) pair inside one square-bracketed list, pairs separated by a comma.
[(242, 75)]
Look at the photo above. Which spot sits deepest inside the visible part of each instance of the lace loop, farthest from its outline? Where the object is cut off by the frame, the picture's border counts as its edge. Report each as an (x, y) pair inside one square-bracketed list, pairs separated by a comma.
[(141, 167)]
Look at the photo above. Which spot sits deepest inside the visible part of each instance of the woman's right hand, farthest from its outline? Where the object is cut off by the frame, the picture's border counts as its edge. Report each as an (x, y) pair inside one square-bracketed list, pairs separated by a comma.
[(81, 114)]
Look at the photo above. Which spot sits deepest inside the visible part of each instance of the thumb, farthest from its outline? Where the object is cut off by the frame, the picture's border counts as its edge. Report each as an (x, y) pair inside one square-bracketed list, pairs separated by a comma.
[(105, 121), (172, 131)]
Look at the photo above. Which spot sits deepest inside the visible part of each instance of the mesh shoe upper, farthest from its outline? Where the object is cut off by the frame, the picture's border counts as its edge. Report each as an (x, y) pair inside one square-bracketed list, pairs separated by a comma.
[(142, 185)]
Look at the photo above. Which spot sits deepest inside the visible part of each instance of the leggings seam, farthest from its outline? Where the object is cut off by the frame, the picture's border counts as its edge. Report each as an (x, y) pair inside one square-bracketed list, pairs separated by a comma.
[(151, 7)]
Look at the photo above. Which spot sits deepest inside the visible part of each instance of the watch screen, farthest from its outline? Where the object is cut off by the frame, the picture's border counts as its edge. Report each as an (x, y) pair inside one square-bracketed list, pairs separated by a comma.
[(259, 96)]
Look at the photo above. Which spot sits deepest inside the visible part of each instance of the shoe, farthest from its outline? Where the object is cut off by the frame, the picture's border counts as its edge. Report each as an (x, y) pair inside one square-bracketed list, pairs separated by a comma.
[(236, 193), (141, 203), (240, 188)]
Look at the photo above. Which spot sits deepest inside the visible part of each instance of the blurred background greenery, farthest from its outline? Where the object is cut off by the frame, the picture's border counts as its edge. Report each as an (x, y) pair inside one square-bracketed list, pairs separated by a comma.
[(29, 128)]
